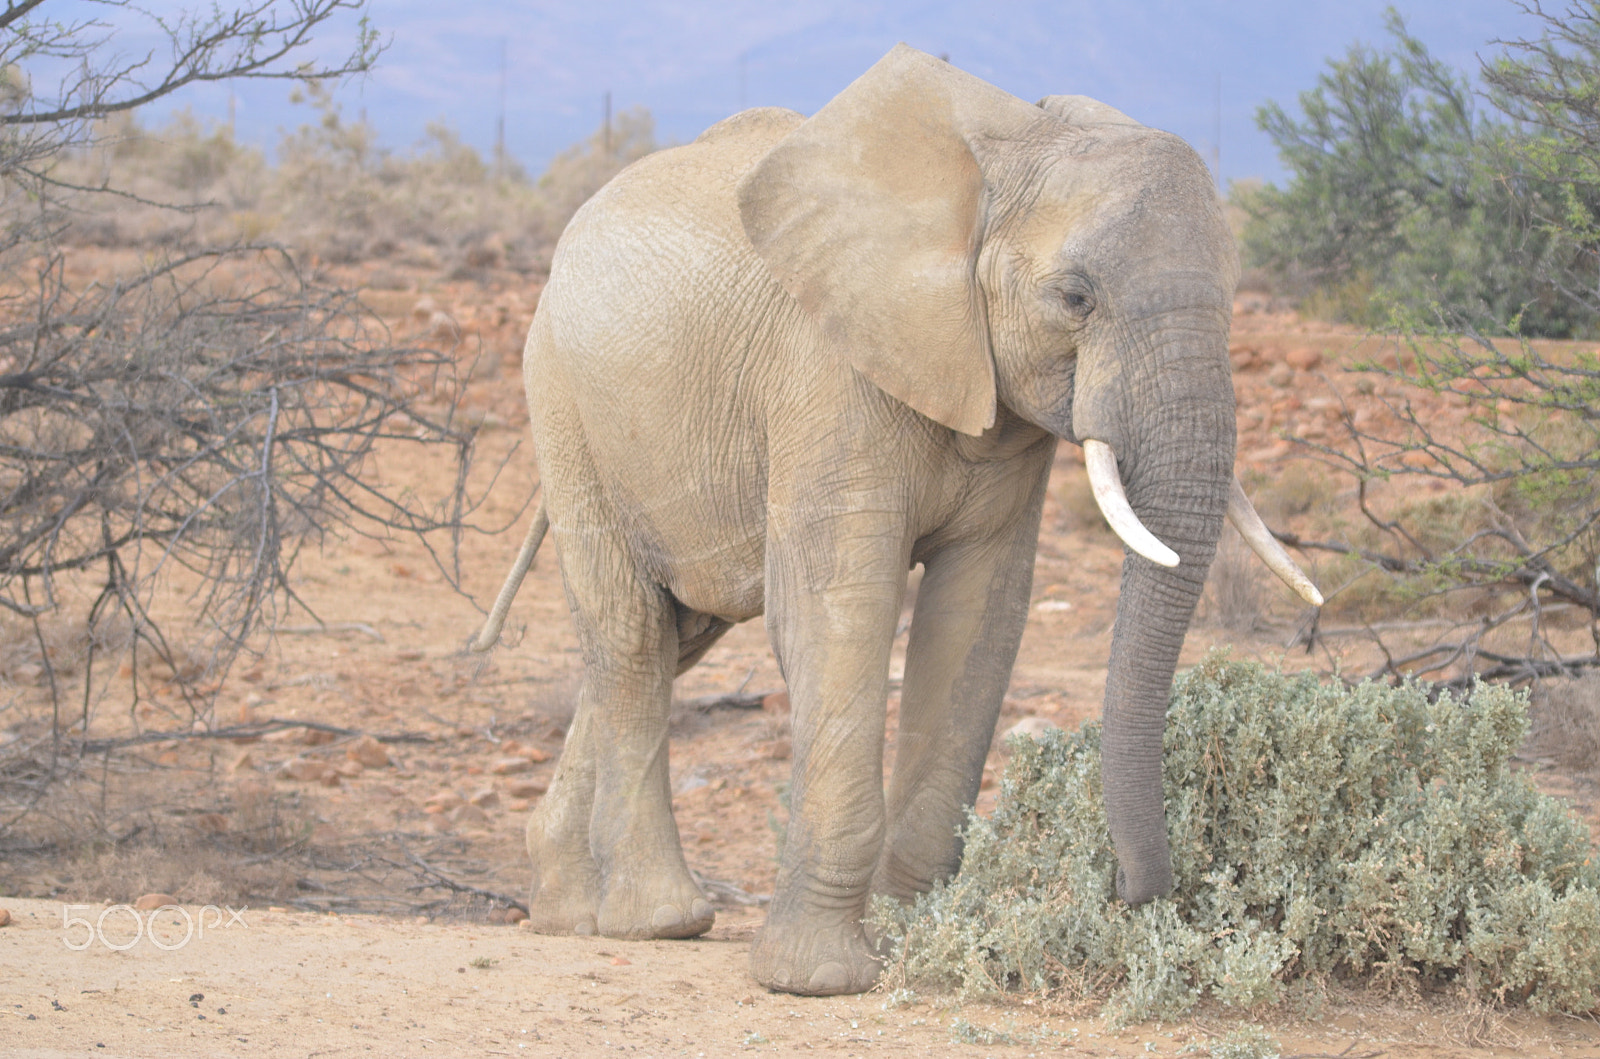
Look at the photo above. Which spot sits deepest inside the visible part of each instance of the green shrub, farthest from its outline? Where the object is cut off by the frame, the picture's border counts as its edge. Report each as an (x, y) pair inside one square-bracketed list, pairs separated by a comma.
[(1318, 832)]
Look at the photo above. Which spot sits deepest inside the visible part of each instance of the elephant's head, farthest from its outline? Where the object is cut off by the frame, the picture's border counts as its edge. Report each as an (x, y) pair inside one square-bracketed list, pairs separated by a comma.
[(966, 250)]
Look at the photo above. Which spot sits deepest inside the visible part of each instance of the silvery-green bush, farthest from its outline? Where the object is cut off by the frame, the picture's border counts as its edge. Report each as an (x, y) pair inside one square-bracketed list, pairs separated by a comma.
[(1319, 832)]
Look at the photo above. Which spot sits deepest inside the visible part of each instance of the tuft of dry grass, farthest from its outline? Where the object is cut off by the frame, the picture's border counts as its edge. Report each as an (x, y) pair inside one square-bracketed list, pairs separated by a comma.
[(1566, 722)]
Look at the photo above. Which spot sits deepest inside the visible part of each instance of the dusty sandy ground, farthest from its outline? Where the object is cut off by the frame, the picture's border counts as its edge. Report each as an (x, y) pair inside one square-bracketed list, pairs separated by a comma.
[(350, 947)]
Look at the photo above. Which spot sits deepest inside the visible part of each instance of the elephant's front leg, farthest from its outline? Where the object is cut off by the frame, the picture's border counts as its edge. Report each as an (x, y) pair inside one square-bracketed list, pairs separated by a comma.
[(832, 616), (971, 609)]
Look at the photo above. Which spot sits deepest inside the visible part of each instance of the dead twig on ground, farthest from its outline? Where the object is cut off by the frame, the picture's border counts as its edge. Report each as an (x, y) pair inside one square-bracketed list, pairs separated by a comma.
[(244, 731)]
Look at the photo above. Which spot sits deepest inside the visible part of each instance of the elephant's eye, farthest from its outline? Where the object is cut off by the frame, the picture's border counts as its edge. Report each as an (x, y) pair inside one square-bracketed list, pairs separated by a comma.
[(1078, 302)]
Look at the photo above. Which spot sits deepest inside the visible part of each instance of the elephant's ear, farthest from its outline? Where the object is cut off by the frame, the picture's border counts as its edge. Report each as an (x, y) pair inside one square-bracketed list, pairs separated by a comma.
[(871, 215)]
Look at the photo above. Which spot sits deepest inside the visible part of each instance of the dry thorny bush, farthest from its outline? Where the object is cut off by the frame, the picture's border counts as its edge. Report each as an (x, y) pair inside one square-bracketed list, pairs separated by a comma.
[(186, 402)]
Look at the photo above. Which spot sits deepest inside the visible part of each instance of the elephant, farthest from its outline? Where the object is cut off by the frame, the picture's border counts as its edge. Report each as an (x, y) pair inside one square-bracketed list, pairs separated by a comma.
[(776, 368)]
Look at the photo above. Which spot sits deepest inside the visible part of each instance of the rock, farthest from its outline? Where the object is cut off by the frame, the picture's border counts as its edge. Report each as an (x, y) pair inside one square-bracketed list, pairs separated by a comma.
[(484, 797), (778, 750), (150, 902), (469, 814), (5, 917), (330, 778), (1280, 376), (621, 961), (534, 754), (306, 770), (211, 823), (443, 327), (369, 752), (1032, 727), (348, 769), (777, 702), (512, 917), (244, 762), (317, 737), (527, 788), (444, 801), (424, 308), (1303, 359), (517, 805), (486, 254), (506, 765)]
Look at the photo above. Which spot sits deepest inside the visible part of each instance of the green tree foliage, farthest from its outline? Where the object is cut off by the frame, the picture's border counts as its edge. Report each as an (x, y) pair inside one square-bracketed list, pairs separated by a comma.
[(1468, 224), (1319, 832), (1405, 192)]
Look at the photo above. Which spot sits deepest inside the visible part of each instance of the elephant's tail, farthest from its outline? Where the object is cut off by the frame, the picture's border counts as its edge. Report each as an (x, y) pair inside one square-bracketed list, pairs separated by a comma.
[(508, 591)]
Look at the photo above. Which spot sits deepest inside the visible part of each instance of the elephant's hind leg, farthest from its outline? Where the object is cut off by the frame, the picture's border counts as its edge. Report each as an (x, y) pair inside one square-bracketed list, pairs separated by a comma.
[(565, 896), (628, 628)]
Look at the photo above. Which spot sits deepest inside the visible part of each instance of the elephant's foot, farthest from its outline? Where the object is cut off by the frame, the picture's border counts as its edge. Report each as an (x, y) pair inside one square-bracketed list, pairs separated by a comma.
[(561, 908), (814, 957), (566, 882), (654, 904)]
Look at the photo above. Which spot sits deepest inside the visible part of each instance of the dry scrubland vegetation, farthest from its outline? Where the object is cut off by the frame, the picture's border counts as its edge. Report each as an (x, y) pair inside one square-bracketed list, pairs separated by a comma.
[(270, 359)]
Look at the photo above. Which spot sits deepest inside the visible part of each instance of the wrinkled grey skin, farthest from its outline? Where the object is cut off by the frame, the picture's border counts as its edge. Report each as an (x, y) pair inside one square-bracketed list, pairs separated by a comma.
[(776, 368)]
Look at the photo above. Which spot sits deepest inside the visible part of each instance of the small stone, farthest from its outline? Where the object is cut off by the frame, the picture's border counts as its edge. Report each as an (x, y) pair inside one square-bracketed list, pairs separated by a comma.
[(444, 801), (305, 770), (1032, 727), (484, 798), (505, 765), (244, 762), (517, 805), (1280, 376), (329, 777), (443, 327), (421, 921), (512, 917), (424, 308), (318, 737), (369, 752), (777, 702), (469, 814), (527, 788), (348, 769), (5, 917), (211, 823), (621, 961), (149, 902), (1303, 359), (778, 750)]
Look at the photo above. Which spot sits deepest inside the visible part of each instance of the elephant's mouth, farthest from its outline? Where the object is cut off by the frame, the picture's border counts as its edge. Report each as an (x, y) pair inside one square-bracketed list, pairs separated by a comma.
[(1106, 482)]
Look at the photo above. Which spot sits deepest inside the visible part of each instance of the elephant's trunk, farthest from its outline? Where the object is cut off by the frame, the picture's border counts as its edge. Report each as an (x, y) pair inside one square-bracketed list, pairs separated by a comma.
[(1176, 464)]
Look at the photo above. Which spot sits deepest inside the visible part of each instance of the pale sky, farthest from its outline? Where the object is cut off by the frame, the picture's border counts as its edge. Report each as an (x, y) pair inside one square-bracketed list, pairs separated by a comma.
[(693, 62)]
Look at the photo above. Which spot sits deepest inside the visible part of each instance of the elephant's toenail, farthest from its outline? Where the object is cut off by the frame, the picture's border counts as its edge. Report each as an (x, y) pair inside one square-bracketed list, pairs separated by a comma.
[(666, 916), (701, 909), (830, 978)]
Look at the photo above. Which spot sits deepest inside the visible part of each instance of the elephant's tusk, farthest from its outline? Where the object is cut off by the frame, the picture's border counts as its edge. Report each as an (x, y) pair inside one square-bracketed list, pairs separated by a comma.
[(1113, 501), (1243, 515)]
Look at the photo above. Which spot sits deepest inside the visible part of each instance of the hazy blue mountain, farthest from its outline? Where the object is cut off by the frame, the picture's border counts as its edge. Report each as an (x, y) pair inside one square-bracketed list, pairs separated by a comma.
[(692, 63)]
